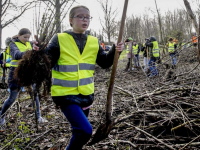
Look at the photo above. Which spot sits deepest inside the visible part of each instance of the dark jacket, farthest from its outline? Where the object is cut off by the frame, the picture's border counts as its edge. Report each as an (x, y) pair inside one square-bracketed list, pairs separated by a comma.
[(104, 60), (16, 54), (1, 59), (144, 50)]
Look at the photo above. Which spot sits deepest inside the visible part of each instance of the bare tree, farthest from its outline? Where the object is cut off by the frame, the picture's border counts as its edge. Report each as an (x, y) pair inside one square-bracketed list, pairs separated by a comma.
[(191, 14), (48, 25), (57, 7), (109, 23), (8, 7)]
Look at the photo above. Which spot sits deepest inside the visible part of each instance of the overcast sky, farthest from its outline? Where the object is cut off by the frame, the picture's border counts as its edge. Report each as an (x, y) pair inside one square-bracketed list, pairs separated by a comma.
[(135, 7)]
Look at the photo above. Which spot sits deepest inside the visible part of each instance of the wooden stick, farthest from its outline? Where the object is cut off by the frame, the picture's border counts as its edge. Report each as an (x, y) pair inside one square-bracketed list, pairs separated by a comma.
[(160, 141), (114, 68)]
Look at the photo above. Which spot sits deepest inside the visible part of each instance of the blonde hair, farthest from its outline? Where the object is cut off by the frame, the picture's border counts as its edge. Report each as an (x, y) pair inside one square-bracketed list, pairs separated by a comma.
[(73, 11)]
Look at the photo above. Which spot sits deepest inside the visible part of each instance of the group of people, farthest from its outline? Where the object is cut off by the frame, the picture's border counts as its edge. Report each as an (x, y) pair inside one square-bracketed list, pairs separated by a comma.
[(73, 55), (150, 51), (151, 54)]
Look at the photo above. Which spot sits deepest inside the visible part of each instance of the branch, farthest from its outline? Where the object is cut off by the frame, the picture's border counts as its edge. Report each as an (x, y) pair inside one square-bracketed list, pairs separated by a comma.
[(47, 1), (6, 2), (160, 141), (16, 17)]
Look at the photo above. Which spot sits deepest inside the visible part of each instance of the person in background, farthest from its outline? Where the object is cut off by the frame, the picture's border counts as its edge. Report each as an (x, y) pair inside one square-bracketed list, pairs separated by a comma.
[(194, 40), (73, 56), (172, 52), (17, 48), (136, 51), (103, 45), (144, 49), (5, 59), (129, 48), (183, 44), (154, 54)]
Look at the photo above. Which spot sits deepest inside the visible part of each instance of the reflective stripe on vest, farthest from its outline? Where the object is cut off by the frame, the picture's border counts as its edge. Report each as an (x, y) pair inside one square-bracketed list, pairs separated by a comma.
[(73, 73), (171, 48), (22, 48), (155, 49), (135, 49)]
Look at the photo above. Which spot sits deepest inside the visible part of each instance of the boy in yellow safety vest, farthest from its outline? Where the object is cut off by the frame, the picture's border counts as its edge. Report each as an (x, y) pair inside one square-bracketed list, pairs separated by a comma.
[(172, 52), (154, 54), (136, 51)]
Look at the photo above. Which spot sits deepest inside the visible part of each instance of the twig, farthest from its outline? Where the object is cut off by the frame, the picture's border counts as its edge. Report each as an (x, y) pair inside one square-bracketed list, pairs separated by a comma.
[(160, 141)]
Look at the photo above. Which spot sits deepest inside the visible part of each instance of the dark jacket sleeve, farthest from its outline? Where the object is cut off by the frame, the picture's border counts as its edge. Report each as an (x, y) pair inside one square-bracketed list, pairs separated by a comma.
[(138, 50), (1, 58), (105, 60), (149, 44), (143, 48), (175, 46), (53, 50), (15, 52)]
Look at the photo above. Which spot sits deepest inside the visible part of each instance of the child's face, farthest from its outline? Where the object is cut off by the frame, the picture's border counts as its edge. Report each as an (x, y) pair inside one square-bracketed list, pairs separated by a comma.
[(24, 38), (80, 21)]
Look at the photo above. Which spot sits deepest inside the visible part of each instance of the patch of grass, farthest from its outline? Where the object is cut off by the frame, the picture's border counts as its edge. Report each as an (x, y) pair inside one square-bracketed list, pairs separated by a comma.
[(123, 55)]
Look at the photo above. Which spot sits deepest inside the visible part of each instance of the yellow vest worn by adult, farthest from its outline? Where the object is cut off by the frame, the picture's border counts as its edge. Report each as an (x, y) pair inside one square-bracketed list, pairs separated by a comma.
[(171, 48), (155, 49), (22, 48), (73, 73), (135, 49), (7, 57)]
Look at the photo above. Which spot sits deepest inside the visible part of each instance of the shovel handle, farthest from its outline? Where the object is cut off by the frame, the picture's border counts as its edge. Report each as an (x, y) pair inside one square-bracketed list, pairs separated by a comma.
[(114, 68)]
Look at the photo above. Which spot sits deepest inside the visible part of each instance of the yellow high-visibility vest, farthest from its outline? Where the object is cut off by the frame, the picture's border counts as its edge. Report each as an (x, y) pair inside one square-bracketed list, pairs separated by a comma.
[(171, 48), (127, 49), (73, 73), (135, 49), (155, 49), (6, 57), (22, 48)]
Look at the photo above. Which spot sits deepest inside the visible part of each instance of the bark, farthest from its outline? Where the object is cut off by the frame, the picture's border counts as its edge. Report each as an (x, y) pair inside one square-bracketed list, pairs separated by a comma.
[(191, 14)]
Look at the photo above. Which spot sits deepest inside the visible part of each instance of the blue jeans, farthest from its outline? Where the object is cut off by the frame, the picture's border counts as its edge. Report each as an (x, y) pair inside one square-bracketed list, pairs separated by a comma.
[(81, 127), (137, 61), (173, 57), (152, 67), (11, 99)]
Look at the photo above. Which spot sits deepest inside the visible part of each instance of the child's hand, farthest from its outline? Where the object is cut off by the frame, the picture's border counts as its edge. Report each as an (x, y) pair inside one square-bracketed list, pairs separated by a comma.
[(119, 47), (35, 47)]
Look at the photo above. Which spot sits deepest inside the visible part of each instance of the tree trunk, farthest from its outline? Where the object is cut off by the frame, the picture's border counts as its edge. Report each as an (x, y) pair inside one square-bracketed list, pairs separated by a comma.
[(191, 14), (160, 27), (57, 16)]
